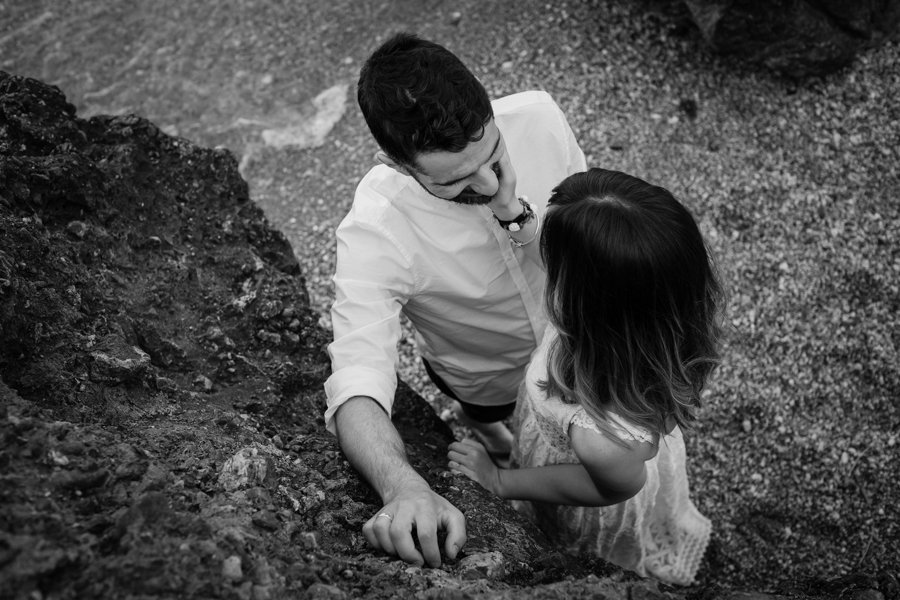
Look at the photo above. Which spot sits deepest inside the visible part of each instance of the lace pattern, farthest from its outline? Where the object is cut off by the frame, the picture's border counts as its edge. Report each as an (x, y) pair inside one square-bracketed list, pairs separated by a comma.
[(621, 428)]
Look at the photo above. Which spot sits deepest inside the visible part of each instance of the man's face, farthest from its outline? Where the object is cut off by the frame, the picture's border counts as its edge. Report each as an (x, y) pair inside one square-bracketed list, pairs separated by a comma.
[(467, 177)]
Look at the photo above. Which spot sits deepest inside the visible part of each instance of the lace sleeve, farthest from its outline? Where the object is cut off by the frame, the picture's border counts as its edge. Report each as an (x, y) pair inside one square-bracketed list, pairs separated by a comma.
[(616, 425), (582, 419)]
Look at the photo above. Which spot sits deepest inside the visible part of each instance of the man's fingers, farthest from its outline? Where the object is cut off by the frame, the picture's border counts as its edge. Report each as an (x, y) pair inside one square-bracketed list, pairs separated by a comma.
[(369, 533), (402, 541), (417, 518), (454, 523), (380, 536), (427, 533)]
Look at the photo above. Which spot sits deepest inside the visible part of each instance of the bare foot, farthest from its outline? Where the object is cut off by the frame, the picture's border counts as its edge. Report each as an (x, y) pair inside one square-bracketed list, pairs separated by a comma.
[(496, 437)]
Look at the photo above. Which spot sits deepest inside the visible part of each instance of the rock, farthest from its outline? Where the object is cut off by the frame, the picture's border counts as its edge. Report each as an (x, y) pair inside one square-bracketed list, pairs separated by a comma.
[(484, 565), (163, 351), (321, 591), (261, 592), (268, 337), (77, 228), (796, 37), (330, 106), (116, 361), (150, 509), (164, 384), (204, 382), (231, 568), (247, 468), (76, 480), (268, 309), (266, 520)]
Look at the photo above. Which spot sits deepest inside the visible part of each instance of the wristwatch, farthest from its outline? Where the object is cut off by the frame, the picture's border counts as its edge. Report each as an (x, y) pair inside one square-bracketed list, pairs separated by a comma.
[(517, 223)]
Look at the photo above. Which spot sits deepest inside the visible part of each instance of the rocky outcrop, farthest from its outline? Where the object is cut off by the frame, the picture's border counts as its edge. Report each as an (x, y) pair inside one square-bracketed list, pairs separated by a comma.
[(796, 37), (161, 397)]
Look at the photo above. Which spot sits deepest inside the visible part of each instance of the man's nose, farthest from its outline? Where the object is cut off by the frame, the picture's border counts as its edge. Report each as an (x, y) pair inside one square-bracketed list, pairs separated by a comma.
[(486, 182)]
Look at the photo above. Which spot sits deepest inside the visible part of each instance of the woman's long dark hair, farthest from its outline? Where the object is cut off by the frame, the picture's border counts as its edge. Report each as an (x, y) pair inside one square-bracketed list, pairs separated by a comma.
[(634, 295)]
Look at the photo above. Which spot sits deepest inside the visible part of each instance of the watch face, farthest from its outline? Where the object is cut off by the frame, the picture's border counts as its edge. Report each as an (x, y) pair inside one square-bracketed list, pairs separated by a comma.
[(514, 227)]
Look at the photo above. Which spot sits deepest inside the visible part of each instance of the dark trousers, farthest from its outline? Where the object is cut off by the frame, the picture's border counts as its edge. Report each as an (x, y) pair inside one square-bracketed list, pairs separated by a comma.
[(481, 414)]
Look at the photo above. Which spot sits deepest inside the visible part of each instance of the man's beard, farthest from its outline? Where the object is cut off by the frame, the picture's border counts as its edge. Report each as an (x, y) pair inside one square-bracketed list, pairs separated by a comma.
[(470, 198)]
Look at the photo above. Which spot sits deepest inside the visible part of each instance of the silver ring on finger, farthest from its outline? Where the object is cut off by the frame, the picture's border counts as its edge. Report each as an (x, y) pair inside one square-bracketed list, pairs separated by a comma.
[(390, 518)]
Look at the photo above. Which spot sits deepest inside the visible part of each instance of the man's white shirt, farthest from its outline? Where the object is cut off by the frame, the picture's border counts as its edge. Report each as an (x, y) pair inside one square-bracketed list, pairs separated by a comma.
[(473, 298)]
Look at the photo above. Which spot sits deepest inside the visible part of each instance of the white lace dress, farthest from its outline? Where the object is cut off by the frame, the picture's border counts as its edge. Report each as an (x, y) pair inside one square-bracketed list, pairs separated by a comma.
[(657, 533)]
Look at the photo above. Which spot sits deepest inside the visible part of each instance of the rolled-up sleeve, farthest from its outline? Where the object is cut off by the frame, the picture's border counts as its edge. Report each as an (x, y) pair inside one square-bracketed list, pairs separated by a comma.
[(372, 281)]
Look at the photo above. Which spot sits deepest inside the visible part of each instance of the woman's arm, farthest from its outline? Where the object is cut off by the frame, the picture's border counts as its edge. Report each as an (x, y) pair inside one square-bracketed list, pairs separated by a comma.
[(609, 477), (557, 484)]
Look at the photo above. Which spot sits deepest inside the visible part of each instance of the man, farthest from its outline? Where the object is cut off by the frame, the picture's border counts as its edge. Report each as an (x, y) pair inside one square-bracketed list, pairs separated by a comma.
[(428, 234)]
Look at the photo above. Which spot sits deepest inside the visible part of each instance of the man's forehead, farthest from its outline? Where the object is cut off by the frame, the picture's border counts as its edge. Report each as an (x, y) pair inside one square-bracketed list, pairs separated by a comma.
[(444, 166)]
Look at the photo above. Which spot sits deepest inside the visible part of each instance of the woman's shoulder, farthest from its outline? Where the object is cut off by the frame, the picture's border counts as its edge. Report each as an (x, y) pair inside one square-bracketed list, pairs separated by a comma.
[(614, 433)]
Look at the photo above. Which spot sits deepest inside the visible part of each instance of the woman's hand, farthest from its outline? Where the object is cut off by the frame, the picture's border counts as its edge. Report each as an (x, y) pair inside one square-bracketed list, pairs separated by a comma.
[(472, 460), (504, 203)]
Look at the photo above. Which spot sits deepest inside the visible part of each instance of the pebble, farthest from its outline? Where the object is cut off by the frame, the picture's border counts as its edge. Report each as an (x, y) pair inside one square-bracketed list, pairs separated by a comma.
[(77, 228), (248, 467), (266, 520), (323, 591), (483, 565), (231, 568), (164, 384), (117, 362), (204, 382)]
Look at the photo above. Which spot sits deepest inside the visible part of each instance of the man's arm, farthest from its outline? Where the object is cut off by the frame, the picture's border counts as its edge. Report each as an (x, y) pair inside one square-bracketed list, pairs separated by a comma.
[(372, 281), (373, 446)]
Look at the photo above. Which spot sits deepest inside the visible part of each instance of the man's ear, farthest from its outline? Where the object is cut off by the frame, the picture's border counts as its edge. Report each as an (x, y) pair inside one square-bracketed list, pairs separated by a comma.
[(384, 159)]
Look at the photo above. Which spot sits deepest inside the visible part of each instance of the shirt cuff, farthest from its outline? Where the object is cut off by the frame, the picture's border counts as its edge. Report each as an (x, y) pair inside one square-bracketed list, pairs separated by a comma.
[(358, 381)]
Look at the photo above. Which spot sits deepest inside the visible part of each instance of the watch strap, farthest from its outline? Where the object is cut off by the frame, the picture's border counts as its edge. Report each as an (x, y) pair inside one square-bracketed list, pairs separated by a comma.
[(526, 216)]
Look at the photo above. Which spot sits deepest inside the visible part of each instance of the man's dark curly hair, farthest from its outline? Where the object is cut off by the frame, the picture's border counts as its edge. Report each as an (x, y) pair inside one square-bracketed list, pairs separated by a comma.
[(416, 97)]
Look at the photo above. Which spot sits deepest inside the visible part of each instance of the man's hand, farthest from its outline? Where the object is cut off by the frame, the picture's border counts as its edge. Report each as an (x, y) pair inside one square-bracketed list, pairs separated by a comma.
[(472, 460), (417, 509), (374, 448)]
